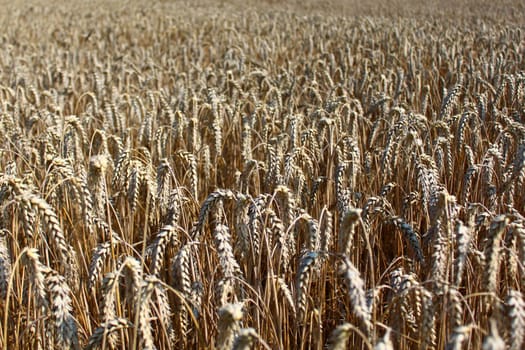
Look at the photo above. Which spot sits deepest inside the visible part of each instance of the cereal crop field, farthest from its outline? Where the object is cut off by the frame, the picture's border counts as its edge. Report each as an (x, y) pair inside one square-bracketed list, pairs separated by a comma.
[(262, 175)]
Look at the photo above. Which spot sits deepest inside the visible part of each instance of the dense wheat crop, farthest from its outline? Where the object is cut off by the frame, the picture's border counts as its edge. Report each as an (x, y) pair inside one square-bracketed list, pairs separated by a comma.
[(230, 176)]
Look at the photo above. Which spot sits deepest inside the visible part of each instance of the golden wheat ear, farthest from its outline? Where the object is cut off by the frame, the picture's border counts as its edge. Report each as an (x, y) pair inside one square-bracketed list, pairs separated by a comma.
[(101, 333), (515, 317), (230, 316), (5, 263)]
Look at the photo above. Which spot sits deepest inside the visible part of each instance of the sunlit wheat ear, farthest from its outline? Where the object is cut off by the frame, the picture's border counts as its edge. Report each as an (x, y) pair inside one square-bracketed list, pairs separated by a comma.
[(468, 181), (97, 184), (346, 233), (120, 171), (428, 325), (145, 130), (460, 132), (246, 339), (180, 270), (251, 167), (327, 228), (164, 312), (492, 340), (197, 291), (410, 235), (230, 316), (459, 336), (504, 83), (519, 232), (407, 304), (132, 271), (86, 198), (191, 162), (455, 307), (194, 141), (5, 263), (385, 343), (273, 165), (99, 142), (515, 314), (230, 266), (339, 337), (287, 206), (135, 179), (37, 272), (312, 228), (281, 238), (108, 304), (217, 116), (105, 330), (241, 247), (61, 172), (208, 206), (509, 257), (391, 144), (449, 102), (100, 253), (304, 273), (28, 217), (173, 120), (357, 293), (481, 104), (427, 177), (463, 238), (341, 189), (255, 211), (65, 251), (166, 237), (287, 293), (115, 146), (316, 187), (164, 173), (72, 144), (225, 291), (246, 134), (492, 253), (144, 313), (66, 333)]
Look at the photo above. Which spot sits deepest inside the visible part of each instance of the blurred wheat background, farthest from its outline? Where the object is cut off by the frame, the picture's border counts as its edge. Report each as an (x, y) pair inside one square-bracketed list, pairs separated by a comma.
[(262, 175)]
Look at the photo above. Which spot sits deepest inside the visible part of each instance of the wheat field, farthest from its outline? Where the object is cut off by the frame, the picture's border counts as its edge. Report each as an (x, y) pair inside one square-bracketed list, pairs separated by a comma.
[(262, 175)]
